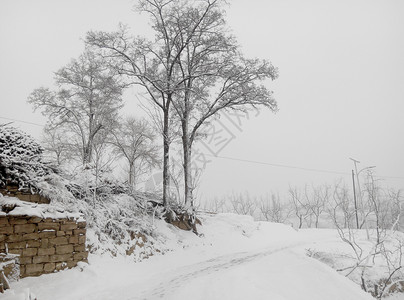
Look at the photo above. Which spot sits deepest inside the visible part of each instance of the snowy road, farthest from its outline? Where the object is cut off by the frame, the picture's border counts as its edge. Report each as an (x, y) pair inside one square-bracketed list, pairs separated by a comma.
[(237, 259), (176, 280)]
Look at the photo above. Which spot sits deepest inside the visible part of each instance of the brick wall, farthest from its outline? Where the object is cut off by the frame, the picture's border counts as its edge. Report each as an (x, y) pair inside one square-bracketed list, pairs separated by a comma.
[(23, 195), (43, 245)]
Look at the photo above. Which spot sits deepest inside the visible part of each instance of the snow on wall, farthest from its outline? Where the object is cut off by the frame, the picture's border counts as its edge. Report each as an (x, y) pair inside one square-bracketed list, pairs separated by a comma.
[(14, 191), (45, 239)]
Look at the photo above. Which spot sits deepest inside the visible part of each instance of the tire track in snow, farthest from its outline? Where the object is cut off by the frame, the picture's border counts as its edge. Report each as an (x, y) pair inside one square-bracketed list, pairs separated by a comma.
[(177, 277)]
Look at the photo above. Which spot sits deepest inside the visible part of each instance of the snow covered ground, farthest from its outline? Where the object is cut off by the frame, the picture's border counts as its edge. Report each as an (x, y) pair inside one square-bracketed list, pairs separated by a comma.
[(236, 258)]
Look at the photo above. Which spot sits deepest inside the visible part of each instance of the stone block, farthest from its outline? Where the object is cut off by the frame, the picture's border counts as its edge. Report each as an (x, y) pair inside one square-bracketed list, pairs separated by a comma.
[(49, 267), (82, 224), (6, 230), (64, 249), (14, 238), (33, 243), (61, 257), (72, 264), (29, 252), (24, 197), (82, 239), (26, 260), (31, 236), (35, 198), (60, 233), (34, 220), (60, 266), (68, 226), (61, 240), (46, 251), (80, 256), (16, 245), (48, 226), (19, 221), (80, 248), (15, 251), (69, 232), (45, 243), (2, 246), (40, 259), (74, 239), (2, 237), (12, 188), (25, 228), (79, 231), (47, 234), (4, 221), (33, 269)]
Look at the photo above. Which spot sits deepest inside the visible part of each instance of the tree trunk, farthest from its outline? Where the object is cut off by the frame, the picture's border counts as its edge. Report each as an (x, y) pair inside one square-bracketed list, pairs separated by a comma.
[(300, 221), (131, 178), (186, 145), (87, 153), (166, 158)]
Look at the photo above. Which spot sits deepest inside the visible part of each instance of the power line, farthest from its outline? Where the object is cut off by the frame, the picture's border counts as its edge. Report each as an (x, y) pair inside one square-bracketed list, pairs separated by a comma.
[(246, 160), (292, 167), (21, 121), (279, 165)]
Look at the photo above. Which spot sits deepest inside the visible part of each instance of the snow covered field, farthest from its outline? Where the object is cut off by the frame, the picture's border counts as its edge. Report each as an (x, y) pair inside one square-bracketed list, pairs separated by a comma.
[(236, 258)]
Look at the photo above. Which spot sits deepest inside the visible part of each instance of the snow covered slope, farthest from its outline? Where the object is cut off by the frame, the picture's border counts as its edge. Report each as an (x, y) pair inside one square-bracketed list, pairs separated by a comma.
[(236, 258)]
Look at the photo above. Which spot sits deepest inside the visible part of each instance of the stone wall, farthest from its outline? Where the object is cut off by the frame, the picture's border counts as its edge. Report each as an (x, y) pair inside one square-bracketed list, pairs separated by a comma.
[(43, 245), (23, 195)]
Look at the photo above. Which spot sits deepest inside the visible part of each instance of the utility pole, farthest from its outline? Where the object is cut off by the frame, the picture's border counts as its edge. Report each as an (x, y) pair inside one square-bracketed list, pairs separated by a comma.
[(356, 205), (360, 194)]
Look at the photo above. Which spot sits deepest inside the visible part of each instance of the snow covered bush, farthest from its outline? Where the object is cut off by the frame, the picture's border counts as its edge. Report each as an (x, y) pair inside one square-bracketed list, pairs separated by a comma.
[(21, 161)]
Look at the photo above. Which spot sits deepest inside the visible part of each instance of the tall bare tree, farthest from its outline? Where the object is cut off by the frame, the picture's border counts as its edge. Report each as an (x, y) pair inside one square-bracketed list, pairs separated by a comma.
[(86, 101), (193, 66), (149, 64), (215, 75)]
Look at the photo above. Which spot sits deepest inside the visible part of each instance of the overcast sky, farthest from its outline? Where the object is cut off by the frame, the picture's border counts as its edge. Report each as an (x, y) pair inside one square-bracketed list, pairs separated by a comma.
[(340, 91)]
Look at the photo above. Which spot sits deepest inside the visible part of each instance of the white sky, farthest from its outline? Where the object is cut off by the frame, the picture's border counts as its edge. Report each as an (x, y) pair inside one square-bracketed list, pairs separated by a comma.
[(340, 90)]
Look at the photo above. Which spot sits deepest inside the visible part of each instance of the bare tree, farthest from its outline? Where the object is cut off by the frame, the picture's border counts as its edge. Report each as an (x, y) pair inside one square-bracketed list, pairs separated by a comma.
[(134, 140), (101, 166), (149, 64), (377, 205), (57, 146), (342, 205), (394, 197), (215, 205), (215, 76), (300, 207), (273, 209), (86, 101), (317, 201), (394, 262), (193, 65), (380, 248), (243, 204)]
